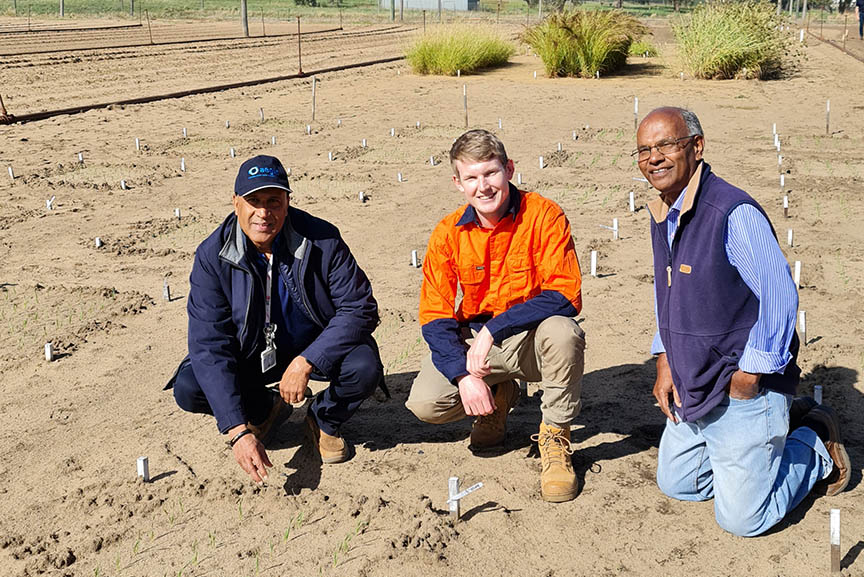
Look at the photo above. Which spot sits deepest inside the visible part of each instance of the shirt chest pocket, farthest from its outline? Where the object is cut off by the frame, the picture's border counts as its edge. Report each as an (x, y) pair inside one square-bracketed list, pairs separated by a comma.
[(472, 278), (523, 280)]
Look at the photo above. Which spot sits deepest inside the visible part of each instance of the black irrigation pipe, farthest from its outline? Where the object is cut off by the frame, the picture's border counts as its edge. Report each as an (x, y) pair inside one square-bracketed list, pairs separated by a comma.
[(176, 42), (24, 118), (86, 29), (837, 46)]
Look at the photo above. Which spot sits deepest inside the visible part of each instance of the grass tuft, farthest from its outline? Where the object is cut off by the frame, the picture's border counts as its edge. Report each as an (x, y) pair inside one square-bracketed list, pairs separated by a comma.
[(458, 47), (642, 47), (726, 40), (584, 42)]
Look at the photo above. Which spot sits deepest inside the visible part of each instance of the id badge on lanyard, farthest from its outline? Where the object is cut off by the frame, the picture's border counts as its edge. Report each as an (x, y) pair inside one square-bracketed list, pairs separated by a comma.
[(268, 355)]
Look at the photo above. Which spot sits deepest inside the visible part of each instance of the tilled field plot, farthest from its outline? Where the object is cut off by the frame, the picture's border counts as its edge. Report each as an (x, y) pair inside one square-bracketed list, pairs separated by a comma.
[(75, 426)]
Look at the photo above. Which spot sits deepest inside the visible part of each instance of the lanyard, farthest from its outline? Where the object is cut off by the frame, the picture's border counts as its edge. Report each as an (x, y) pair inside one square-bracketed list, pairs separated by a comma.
[(268, 289)]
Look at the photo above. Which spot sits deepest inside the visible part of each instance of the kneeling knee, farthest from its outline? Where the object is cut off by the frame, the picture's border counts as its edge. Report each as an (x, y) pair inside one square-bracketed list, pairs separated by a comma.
[(741, 526)]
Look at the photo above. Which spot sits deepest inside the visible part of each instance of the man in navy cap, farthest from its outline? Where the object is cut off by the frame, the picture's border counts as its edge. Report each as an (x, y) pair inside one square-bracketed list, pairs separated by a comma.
[(276, 296)]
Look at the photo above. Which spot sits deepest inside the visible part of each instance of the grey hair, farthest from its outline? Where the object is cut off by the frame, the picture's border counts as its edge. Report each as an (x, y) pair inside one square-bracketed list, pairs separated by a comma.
[(692, 121)]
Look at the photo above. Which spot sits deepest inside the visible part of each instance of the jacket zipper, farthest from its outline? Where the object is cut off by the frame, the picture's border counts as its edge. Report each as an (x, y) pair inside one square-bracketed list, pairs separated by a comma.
[(302, 290)]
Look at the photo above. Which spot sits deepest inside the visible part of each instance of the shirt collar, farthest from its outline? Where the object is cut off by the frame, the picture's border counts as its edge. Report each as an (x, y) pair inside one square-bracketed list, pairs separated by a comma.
[(470, 215), (679, 201)]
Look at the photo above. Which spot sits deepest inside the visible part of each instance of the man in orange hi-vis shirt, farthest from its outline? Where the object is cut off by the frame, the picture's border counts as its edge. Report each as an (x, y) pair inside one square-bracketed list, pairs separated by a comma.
[(511, 254)]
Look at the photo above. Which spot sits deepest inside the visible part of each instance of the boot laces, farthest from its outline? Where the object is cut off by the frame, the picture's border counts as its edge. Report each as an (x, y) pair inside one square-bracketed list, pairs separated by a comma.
[(556, 447)]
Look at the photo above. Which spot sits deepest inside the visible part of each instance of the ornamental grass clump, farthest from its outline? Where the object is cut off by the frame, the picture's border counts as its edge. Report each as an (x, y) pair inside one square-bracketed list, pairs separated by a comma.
[(643, 48), (584, 42), (733, 40), (458, 47)]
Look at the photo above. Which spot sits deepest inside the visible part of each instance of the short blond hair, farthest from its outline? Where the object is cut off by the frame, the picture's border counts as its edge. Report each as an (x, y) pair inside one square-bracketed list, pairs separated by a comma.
[(479, 146)]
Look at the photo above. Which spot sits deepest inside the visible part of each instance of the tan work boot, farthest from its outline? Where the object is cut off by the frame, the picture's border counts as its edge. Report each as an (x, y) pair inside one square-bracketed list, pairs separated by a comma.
[(489, 430), (333, 449), (266, 430), (557, 478)]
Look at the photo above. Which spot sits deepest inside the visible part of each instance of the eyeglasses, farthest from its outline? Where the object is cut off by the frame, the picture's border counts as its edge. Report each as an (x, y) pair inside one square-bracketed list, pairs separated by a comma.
[(665, 148)]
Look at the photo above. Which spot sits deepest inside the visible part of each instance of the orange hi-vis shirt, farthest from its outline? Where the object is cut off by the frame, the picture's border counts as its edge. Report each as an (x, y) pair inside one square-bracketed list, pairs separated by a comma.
[(512, 276)]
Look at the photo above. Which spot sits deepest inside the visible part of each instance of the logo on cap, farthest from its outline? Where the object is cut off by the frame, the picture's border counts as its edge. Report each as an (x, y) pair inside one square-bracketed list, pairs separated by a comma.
[(253, 171)]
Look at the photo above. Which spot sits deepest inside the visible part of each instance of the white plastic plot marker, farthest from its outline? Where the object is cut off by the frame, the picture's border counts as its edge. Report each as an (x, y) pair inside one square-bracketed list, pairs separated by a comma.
[(500, 124), (363, 143), (774, 129), (782, 182), (632, 202), (574, 135), (272, 141), (797, 275), (594, 263), (827, 118), (261, 114), (177, 213), (11, 173), (399, 177), (785, 206), (123, 185), (49, 204), (144, 469), (458, 74), (614, 229), (418, 125), (465, 102), (392, 132), (779, 160), (49, 352), (454, 496), (789, 237), (802, 326), (232, 152), (362, 196), (184, 133), (597, 75), (541, 163), (98, 242), (338, 122), (559, 147), (330, 156), (415, 260), (137, 144), (432, 160), (227, 124), (308, 129), (535, 74), (835, 540), (166, 290), (801, 36), (182, 165), (519, 178), (80, 158), (681, 75)]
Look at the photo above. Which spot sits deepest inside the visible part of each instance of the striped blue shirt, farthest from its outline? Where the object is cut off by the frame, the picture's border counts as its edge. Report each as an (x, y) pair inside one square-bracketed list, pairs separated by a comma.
[(752, 249)]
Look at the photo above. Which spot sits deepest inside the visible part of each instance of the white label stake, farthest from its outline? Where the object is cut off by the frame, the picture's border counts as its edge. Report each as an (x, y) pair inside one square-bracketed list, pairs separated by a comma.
[(789, 237), (144, 469), (797, 275), (632, 202), (541, 162), (614, 229), (835, 540), (415, 260), (49, 352), (11, 173), (802, 326), (594, 263)]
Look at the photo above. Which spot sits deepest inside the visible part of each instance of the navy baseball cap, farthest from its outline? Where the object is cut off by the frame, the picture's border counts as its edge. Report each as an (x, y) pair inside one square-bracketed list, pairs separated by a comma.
[(261, 172)]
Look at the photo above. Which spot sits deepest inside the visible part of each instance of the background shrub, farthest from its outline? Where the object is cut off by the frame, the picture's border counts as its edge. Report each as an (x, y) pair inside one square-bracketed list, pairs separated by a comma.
[(458, 47), (583, 42), (643, 48), (733, 40)]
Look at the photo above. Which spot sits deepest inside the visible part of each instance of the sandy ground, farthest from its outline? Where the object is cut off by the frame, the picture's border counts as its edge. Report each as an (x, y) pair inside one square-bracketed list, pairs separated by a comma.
[(74, 427)]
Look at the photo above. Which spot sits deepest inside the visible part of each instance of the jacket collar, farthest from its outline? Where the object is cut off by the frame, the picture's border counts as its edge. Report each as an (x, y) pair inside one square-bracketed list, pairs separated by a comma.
[(470, 215), (287, 241), (659, 210)]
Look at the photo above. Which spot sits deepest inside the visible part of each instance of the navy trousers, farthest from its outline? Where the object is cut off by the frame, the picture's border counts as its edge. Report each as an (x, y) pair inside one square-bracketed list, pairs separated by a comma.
[(355, 379)]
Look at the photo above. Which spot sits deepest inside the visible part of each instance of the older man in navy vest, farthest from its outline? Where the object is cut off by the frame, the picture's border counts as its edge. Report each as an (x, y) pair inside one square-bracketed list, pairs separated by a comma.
[(726, 345)]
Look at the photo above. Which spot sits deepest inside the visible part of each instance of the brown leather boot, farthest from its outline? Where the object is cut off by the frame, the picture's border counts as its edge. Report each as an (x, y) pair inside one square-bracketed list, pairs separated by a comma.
[(333, 449), (489, 430), (557, 478), (266, 430), (826, 419)]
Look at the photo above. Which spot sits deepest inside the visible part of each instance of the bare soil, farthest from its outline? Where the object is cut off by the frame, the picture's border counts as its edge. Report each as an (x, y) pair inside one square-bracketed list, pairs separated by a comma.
[(74, 427)]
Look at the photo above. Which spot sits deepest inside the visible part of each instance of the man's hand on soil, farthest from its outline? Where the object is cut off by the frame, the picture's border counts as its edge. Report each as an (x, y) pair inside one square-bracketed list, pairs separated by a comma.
[(250, 455)]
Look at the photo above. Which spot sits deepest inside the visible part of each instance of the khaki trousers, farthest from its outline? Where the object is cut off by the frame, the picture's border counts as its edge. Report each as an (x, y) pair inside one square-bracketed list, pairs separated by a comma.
[(553, 354)]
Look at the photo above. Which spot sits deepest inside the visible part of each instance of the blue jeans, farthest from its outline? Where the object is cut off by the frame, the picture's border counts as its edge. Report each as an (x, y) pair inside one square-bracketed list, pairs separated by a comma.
[(740, 455)]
